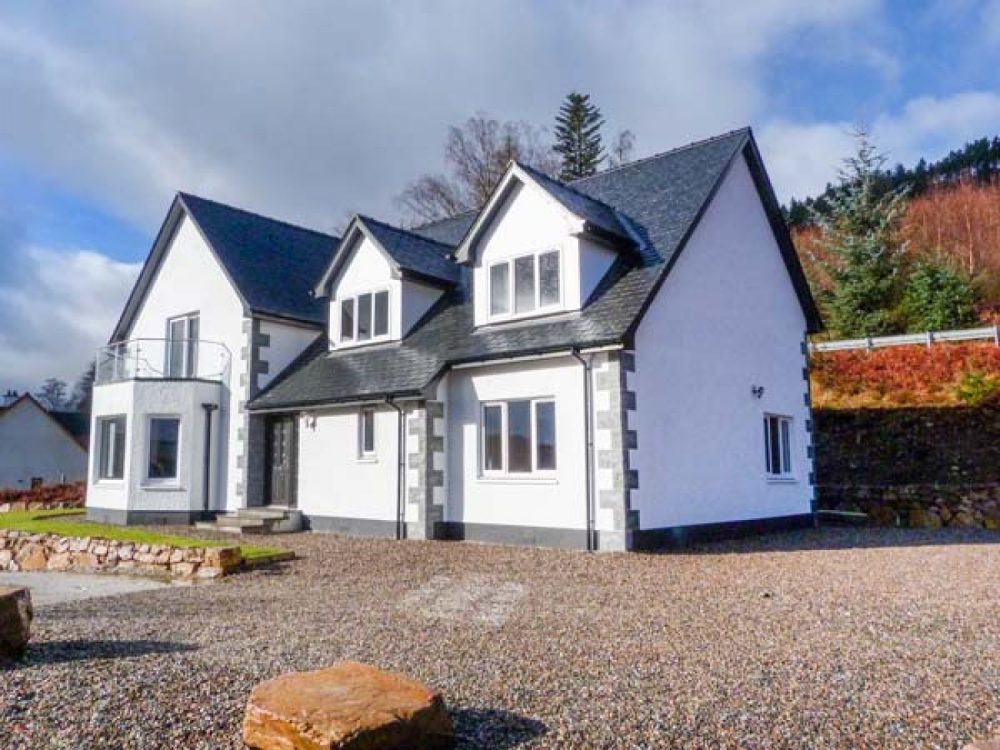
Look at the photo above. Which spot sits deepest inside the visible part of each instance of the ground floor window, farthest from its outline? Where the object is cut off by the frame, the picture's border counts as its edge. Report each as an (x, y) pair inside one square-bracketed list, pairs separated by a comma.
[(164, 439), (111, 456), (366, 433), (518, 436), (778, 446)]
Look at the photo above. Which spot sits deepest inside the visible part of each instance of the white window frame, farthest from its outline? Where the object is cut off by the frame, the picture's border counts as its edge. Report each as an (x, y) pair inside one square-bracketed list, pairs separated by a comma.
[(365, 455), (504, 473), (189, 349), (173, 481), (115, 437), (354, 297), (785, 443), (539, 308)]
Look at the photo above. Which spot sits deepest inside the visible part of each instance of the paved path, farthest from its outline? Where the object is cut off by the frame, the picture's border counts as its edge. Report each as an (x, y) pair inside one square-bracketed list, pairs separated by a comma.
[(54, 588)]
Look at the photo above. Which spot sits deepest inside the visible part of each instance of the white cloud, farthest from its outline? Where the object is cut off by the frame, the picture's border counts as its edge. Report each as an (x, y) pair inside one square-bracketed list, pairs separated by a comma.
[(56, 308), (308, 110), (803, 157)]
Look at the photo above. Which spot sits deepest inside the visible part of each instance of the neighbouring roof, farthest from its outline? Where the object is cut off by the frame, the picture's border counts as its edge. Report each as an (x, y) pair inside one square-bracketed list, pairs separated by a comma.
[(272, 265), (411, 254), (661, 198), (74, 423)]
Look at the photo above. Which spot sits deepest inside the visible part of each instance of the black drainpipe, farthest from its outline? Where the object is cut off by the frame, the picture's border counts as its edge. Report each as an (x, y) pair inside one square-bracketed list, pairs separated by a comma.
[(589, 440), (401, 470), (206, 483)]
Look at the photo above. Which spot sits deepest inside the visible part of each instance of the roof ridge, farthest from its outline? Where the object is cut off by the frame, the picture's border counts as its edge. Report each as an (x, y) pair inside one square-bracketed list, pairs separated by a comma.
[(185, 194), (668, 152), (407, 232)]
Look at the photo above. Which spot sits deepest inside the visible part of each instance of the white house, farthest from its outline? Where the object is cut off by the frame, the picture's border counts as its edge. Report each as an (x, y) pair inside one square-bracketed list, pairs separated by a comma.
[(614, 363), (39, 446)]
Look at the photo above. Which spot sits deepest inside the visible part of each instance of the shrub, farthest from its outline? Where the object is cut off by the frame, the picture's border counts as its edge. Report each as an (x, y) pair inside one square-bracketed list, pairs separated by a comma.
[(978, 388), (938, 297)]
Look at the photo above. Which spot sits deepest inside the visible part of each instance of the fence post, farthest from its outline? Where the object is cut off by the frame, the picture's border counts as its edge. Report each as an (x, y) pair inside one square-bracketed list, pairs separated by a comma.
[(930, 339), (996, 334)]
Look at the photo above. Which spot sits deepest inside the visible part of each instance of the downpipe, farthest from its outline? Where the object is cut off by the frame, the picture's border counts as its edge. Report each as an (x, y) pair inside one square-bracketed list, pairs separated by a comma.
[(400, 470), (206, 483), (588, 409)]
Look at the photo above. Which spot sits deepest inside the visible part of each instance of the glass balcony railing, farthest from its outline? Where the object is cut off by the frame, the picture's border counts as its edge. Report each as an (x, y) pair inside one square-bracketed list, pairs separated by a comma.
[(162, 359)]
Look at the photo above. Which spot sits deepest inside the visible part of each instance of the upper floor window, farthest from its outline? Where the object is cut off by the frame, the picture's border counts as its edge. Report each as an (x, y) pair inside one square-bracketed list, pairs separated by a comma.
[(778, 446), (182, 347), (364, 317), (524, 285)]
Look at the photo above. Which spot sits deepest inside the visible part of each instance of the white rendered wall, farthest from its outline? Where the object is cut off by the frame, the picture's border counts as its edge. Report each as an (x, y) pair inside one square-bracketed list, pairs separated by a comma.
[(558, 502), (726, 319), (189, 280), (333, 479), (529, 222), (33, 445), (287, 341), (139, 401)]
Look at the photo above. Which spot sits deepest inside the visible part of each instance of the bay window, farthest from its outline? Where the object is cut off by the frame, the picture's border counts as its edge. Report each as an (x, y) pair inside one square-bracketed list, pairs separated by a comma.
[(518, 437), (164, 439), (111, 455)]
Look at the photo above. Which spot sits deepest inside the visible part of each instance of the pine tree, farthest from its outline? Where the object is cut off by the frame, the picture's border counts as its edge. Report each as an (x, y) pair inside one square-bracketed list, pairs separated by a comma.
[(863, 247), (578, 137)]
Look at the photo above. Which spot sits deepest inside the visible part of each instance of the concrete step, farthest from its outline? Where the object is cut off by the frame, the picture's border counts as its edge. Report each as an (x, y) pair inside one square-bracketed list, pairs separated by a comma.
[(266, 520), (266, 513)]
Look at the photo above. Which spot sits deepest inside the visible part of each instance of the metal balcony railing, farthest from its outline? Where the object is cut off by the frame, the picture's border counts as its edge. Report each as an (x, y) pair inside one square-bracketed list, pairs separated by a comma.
[(162, 359)]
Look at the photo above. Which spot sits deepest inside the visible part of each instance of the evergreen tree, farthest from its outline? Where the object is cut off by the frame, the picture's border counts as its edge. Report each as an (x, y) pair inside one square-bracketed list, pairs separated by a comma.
[(863, 252), (578, 137), (938, 297)]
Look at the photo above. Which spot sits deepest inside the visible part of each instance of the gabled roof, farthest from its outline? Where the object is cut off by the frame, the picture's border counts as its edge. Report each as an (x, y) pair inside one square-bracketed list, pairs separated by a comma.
[(410, 254), (662, 198), (271, 264), (75, 424), (598, 217)]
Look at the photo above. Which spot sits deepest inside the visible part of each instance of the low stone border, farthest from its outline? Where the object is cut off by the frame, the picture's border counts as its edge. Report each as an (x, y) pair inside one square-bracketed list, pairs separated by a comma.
[(49, 497), (22, 550), (920, 505)]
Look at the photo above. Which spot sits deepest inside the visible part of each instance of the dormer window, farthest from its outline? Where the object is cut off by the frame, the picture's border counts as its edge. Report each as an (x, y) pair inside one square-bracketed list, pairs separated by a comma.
[(364, 317), (536, 285)]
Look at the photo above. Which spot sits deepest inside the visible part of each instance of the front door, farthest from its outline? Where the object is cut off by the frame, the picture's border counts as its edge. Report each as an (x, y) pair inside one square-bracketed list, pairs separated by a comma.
[(281, 461)]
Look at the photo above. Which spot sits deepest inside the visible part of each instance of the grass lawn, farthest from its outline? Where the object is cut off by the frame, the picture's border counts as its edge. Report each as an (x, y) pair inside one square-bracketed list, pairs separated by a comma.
[(72, 523)]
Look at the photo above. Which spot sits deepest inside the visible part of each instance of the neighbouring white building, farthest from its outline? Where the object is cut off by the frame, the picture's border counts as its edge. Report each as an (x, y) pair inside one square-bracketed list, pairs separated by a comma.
[(39, 446), (614, 363)]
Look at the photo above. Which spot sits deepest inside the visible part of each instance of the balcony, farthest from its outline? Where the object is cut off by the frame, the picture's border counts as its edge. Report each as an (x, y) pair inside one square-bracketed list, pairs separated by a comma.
[(163, 359)]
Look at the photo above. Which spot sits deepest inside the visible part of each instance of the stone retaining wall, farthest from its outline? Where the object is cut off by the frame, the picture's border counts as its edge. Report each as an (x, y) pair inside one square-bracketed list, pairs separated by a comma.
[(22, 550), (922, 505), (48, 497)]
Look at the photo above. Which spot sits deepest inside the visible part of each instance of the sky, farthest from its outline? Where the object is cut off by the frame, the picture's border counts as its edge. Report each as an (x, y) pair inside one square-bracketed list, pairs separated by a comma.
[(310, 111)]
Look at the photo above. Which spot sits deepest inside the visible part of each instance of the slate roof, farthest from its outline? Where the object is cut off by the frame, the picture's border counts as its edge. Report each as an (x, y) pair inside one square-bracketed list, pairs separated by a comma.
[(415, 253), (661, 198), (272, 264)]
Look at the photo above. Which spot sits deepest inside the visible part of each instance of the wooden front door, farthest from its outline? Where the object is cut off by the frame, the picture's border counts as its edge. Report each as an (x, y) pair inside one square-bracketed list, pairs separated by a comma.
[(281, 448)]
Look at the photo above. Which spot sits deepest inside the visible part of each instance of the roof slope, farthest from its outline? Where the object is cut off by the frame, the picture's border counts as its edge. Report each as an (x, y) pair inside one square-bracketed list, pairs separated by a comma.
[(662, 198), (272, 264), (75, 424), (413, 252), (595, 212)]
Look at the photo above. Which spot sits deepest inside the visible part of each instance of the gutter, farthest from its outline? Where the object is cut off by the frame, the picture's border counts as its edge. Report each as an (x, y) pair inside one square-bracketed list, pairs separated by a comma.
[(401, 470), (588, 398)]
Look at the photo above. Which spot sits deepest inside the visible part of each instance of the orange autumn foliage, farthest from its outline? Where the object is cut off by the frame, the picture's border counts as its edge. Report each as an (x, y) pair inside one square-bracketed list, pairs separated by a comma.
[(904, 376)]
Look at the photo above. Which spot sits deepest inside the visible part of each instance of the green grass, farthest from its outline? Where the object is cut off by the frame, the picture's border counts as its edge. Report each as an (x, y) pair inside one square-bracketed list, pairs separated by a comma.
[(72, 523)]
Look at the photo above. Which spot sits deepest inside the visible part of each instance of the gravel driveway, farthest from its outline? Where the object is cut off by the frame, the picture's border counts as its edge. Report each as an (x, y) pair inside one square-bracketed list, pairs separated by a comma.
[(872, 638)]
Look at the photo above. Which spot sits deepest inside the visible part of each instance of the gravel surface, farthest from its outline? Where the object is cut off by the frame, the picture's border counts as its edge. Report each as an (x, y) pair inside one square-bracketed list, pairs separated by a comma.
[(838, 638)]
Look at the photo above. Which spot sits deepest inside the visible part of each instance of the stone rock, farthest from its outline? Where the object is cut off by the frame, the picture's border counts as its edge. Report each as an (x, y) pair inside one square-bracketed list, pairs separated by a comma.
[(32, 557), (15, 621), (993, 744), (226, 558), (5, 557), (183, 568), (177, 556), (85, 560), (924, 519), (208, 571), (60, 561), (346, 706)]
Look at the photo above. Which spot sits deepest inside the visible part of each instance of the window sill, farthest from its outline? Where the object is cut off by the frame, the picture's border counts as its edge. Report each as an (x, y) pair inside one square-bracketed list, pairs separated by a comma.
[(367, 459), (161, 486), (781, 480), (109, 482), (512, 479)]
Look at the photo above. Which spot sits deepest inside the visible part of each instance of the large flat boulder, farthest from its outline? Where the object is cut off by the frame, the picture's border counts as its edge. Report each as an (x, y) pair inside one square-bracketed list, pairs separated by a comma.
[(15, 621), (347, 706)]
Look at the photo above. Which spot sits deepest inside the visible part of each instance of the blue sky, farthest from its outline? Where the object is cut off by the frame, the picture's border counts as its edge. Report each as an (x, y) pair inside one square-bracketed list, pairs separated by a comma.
[(312, 110)]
